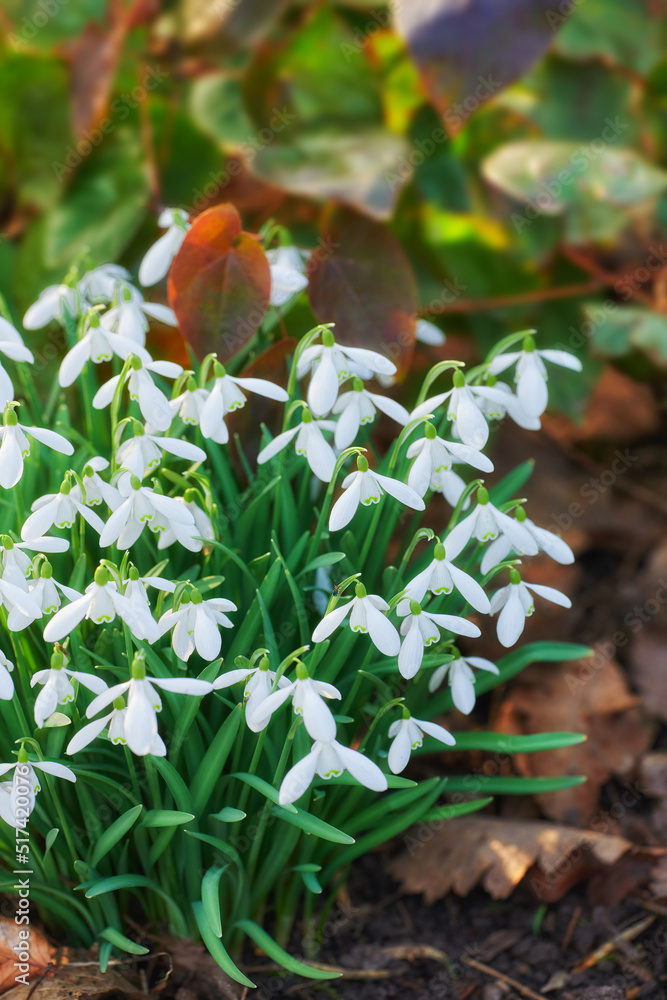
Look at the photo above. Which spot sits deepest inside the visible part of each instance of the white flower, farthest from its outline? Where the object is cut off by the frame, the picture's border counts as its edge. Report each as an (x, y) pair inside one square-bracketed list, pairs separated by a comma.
[(95, 489), (97, 344), (329, 760), (135, 588), (309, 442), (158, 258), (359, 407), (545, 540), (23, 785), (142, 453), (115, 721), (461, 678), (59, 510), (16, 565), (153, 404), (189, 405), (129, 318), (22, 609), (12, 346), (141, 506), (44, 591), (288, 275), (407, 734), (101, 603), (462, 409), (100, 284), (227, 395), (429, 333), (441, 577), (143, 702), (366, 487), (531, 373), (187, 535), (434, 455), (6, 683), (515, 604), (196, 625), (259, 682), (307, 696), (366, 616), (51, 305), (15, 446), (332, 363), (485, 524), (505, 402), (420, 629), (57, 688)]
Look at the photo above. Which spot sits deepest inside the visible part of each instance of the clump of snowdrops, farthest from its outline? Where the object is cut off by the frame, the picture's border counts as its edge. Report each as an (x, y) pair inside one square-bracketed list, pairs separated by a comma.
[(213, 674)]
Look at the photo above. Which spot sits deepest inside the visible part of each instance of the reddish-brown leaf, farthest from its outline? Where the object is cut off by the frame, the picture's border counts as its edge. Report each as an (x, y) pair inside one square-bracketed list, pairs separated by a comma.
[(360, 279), (219, 283), (93, 59)]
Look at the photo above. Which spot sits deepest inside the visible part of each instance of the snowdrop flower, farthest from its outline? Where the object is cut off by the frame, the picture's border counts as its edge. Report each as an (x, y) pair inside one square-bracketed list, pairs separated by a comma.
[(97, 344), (142, 453), (433, 455), (329, 760), (129, 319), (462, 409), (545, 540), (331, 363), (442, 577), (420, 629), (45, 590), (188, 535), (99, 285), (505, 403), (366, 615), (288, 276), (101, 603), (461, 678), (307, 697), (22, 609), (366, 487), (15, 564), (486, 523), (309, 442), (115, 723), (429, 333), (196, 625), (6, 682), (51, 305), (59, 510), (135, 588), (515, 604), (227, 395), (153, 404), (15, 446), (359, 407), (143, 702), (23, 785), (259, 682), (407, 734), (57, 687), (158, 258), (95, 489), (141, 506), (12, 346), (531, 373), (189, 405)]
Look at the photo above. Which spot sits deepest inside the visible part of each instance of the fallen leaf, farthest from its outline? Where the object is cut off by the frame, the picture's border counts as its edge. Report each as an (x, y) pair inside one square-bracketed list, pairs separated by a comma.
[(72, 983), (12, 935), (648, 654), (219, 283), (620, 410), (498, 854), (587, 696)]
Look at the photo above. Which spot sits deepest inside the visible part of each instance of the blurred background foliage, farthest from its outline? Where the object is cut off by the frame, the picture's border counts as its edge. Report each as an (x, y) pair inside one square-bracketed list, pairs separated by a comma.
[(490, 165)]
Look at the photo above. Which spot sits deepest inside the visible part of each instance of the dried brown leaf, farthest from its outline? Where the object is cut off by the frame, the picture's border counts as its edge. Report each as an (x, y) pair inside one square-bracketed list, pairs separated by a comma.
[(11, 938)]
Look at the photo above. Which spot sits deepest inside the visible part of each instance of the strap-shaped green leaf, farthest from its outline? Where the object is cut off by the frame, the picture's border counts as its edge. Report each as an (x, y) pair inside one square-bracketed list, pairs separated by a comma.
[(216, 947), (279, 955), (166, 817), (119, 940), (312, 824), (210, 897), (114, 833)]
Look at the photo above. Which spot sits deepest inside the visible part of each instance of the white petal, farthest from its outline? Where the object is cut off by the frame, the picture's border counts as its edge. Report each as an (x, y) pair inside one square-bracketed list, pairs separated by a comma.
[(399, 751), (278, 443), (331, 622), (512, 619), (550, 594), (561, 358), (364, 770), (54, 768), (87, 734), (298, 779), (345, 507), (436, 731), (412, 652), (383, 634), (401, 492)]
